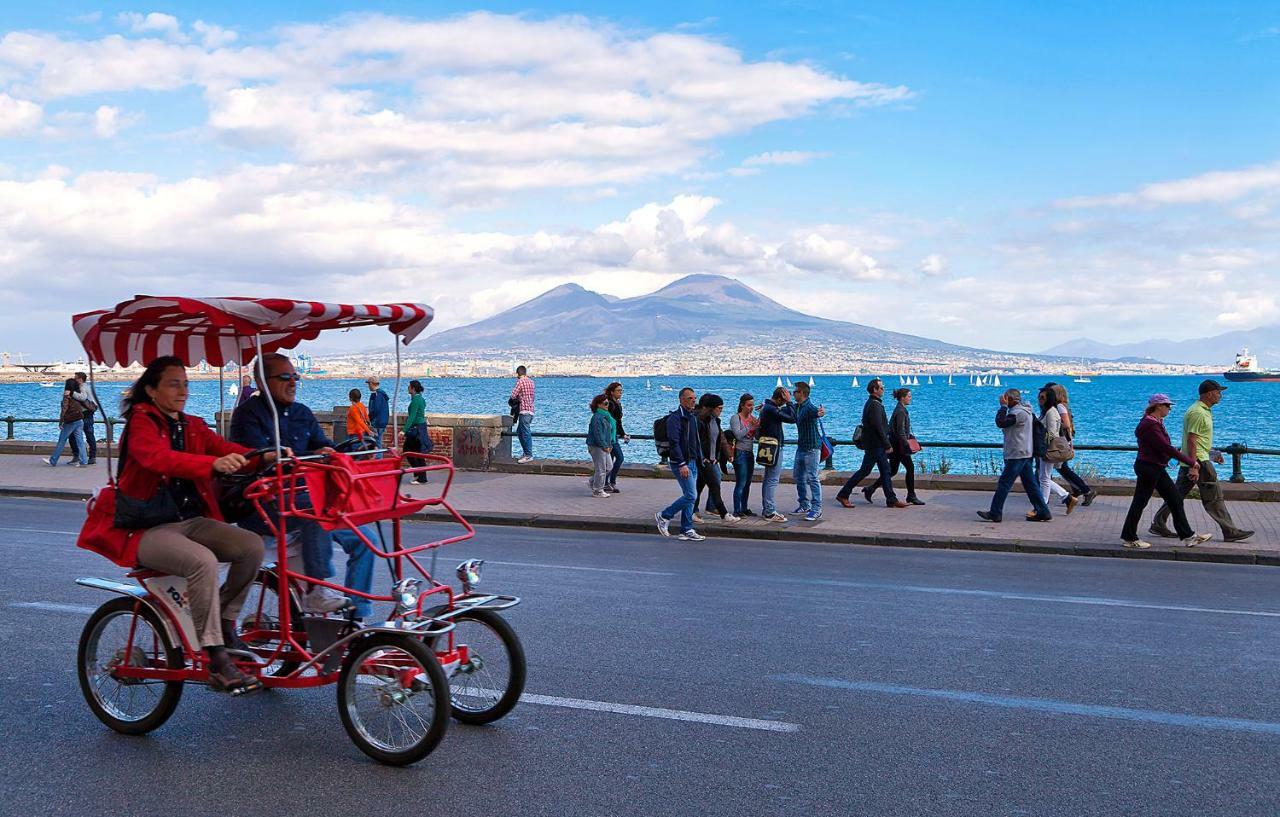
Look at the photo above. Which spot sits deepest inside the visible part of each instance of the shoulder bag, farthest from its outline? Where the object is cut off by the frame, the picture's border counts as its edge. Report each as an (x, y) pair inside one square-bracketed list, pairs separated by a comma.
[(140, 514), (767, 451)]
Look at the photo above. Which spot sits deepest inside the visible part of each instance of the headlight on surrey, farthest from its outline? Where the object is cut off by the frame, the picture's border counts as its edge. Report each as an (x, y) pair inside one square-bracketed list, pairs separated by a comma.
[(405, 592), (469, 573)]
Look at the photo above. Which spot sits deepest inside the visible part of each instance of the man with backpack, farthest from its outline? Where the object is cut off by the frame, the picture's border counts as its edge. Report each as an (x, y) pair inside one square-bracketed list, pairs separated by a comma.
[(685, 453)]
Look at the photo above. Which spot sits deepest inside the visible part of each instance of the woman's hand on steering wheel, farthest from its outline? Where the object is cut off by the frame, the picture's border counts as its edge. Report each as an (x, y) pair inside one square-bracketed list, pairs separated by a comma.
[(229, 464)]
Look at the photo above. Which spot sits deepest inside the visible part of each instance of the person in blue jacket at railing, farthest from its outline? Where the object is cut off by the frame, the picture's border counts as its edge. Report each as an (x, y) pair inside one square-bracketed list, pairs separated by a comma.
[(684, 455), (379, 411), (252, 426)]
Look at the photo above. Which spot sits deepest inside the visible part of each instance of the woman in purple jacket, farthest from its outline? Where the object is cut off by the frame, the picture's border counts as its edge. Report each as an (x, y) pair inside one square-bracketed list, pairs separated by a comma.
[(1154, 453)]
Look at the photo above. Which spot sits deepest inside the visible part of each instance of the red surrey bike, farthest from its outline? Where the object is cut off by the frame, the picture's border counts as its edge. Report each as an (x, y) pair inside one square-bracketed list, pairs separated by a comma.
[(440, 652)]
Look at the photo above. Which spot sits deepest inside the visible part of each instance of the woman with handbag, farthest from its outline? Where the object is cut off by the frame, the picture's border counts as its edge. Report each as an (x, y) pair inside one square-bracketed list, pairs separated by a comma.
[(710, 407), (742, 426), (166, 506), (902, 448), (70, 426), (1051, 420), (417, 438), (1079, 487)]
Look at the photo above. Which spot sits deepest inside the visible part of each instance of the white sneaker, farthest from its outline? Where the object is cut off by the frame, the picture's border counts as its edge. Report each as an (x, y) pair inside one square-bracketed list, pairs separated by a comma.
[(775, 517), (524, 459), (730, 518), (600, 494), (324, 600), (1197, 539), (1136, 544), (697, 517), (664, 524), (691, 536)]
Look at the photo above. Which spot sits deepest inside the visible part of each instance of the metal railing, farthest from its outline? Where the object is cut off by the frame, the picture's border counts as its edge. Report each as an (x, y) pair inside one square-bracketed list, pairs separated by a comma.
[(1236, 451)]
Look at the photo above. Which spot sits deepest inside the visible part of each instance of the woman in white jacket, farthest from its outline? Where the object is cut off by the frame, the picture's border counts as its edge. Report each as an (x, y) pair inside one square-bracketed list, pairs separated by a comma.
[(1052, 421)]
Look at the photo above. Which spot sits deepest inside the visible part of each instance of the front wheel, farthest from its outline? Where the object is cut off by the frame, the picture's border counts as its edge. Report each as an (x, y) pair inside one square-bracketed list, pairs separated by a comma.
[(127, 633), (487, 685), (393, 698)]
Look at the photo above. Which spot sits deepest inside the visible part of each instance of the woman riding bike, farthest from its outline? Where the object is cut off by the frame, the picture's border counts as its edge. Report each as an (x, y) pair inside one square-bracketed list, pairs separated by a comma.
[(164, 450)]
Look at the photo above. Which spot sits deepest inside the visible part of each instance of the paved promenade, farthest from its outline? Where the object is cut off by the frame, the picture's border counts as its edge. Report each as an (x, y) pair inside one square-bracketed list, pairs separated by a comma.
[(947, 521)]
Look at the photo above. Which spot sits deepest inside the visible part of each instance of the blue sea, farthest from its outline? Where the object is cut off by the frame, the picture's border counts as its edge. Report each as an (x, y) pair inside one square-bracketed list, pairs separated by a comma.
[(1106, 411)]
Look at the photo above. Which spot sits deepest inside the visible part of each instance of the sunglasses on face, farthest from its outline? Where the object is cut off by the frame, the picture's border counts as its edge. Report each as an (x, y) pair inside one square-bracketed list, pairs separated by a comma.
[(286, 377)]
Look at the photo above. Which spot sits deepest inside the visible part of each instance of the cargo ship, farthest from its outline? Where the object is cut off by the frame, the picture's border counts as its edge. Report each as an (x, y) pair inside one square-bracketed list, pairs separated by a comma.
[(1247, 369)]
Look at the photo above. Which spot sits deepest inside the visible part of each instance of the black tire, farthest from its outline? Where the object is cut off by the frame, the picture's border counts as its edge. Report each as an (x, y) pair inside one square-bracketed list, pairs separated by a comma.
[(357, 715), (152, 710), (265, 586), (473, 707)]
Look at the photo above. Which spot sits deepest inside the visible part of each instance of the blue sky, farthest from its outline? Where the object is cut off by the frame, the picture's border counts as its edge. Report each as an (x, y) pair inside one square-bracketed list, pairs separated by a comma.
[(923, 167)]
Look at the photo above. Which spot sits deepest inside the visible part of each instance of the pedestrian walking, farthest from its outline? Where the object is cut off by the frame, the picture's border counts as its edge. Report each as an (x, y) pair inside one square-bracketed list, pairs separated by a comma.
[(379, 411), (808, 455), (614, 392), (1197, 443), (602, 433), (88, 400), (902, 447), (417, 437), (711, 440), (358, 419), (70, 426), (1078, 486), (775, 412), (683, 455), (1017, 422), (1051, 421), (523, 393), (875, 449), (742, 428), (1154, 453)]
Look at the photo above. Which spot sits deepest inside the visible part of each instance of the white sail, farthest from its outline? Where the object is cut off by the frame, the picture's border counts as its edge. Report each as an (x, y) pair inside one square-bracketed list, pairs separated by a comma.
[(950, 380), (915, 381), (779, 381), (648, 385), (996, 382), (811, 381), (789, 383), (855, 382), (930, 380)]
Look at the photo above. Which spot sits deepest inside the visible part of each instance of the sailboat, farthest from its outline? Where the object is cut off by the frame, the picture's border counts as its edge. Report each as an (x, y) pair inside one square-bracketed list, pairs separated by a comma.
[(810, 381), (854, 384), (915, 380), (997, 381), (648, 386), (930, 380), (951, 380), (779, 382), (789, 383)]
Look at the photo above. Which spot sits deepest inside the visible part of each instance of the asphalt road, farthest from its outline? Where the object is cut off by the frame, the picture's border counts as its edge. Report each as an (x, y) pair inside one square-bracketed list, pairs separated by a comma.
[(892, 682)]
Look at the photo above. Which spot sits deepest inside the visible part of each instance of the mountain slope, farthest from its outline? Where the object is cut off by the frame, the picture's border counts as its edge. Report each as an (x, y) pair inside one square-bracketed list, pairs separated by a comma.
[(1209, 351)]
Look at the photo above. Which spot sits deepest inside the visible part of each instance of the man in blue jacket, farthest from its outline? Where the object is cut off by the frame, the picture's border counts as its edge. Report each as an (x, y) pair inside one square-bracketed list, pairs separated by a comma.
[(775, 411), (252, 426), (379, 411), (684, 456)]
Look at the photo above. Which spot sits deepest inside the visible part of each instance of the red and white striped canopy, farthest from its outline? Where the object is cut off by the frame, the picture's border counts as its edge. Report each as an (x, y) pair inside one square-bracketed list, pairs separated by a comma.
[(221, 331)]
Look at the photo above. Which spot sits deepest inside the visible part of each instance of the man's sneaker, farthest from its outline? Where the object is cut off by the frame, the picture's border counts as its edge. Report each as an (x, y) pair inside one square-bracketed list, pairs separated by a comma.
[(813, 516), (747, 512), (774, 517), (1089, 497), (799, 510), (664, 524), (691, 536), (322, 599), (524, 459), (1197, 539), (601, 494), (49, 462), (987, 516), (79, 465), (1156, 530), (613, 489), (1136, 544), (730, 518), (1238, 536)]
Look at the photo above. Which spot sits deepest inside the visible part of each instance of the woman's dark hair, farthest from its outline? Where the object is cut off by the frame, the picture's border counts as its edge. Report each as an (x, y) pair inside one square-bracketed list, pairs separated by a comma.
[(710, 401), (137, 393), (72, 384), (598, 401), (415, 386), (608, 390), (1050, 396), (898, 394), (742, 401), (779, 392), (354, 395)]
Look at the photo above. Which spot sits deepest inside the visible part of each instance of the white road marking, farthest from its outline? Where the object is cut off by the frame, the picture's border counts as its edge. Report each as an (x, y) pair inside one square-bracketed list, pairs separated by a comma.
[(658, 712), (43, 530), (579, 567), (53, 607)]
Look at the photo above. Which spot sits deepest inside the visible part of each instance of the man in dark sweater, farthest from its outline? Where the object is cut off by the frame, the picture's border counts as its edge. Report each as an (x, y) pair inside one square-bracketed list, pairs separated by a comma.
[(684, 456), (875, 446)]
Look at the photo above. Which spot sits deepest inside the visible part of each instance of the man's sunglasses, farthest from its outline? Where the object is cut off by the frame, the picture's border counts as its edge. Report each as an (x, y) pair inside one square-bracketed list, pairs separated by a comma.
[(286, 378)]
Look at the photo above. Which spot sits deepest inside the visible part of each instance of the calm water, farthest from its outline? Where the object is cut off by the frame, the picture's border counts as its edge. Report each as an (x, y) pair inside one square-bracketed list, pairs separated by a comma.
[(1106, 411)]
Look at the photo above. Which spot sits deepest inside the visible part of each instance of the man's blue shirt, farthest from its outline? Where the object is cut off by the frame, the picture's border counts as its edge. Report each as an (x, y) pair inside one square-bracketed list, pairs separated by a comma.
[(251, 425)]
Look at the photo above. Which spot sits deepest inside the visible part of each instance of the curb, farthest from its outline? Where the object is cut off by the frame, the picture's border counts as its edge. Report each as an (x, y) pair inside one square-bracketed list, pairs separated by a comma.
[(804, 535)]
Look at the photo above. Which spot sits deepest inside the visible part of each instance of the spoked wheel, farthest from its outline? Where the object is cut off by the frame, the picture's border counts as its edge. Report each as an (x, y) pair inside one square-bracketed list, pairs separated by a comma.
[(132, 706), (259, 621), (488, 684), (393, 698)]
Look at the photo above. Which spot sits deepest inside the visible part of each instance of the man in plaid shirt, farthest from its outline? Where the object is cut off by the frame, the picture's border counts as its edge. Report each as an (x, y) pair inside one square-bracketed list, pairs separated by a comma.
[(523, 391)]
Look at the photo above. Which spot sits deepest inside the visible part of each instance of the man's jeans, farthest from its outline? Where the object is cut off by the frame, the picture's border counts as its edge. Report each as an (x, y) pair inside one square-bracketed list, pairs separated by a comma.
[(359, 564), (315, 541), (685, 505), (744, 466), (877, 458), (805, 473), (617, 463), (70, 431), (525, 434), (1023, 469), (379, 434), (90, 442), (769, 487)]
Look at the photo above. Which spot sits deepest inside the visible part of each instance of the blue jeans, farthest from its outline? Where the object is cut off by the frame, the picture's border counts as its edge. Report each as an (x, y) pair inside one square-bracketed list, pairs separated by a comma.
[(617, 464), (876, 458), (686, 504), (359, 565), (805, 473), (1023, 469), (316, 542), (70, 431), (379, 432), (744, 467), (769, 487), (525, 434)]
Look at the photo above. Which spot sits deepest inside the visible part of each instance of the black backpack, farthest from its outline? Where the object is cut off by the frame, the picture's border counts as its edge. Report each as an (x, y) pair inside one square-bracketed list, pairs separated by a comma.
[(1039, 442), (660, 439)]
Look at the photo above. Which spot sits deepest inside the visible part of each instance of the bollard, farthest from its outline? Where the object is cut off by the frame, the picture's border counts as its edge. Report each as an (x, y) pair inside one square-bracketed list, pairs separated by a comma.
[(8, 421), (1237, 451)]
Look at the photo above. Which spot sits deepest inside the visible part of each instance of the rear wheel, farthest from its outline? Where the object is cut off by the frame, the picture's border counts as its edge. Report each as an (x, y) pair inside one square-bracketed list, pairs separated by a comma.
[(393, 698), (488, 684), (131, 706), (259, 621)]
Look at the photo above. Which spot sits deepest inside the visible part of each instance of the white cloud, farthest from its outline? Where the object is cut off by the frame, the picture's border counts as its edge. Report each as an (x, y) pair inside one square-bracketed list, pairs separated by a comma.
[(1217, 187), (781, 157), (933, 265), (106, 121), (151, 22), (1240, 312), (213, 36), (18, 116)]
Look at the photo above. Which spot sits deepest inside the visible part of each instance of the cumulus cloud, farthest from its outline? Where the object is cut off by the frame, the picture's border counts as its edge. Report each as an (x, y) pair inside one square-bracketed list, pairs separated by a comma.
[(106, 121), (933, 265), (18, 116), (213, 36), (152, 22)]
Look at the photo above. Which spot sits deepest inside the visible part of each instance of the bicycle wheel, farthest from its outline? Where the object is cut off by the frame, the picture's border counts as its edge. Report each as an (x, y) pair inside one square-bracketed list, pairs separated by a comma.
[(393, 698), (259, 621), (488, 685), (131, 706)]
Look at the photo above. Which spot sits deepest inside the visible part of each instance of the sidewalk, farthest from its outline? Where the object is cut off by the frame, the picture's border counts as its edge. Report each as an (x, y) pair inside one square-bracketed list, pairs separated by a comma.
[(948, 521)]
